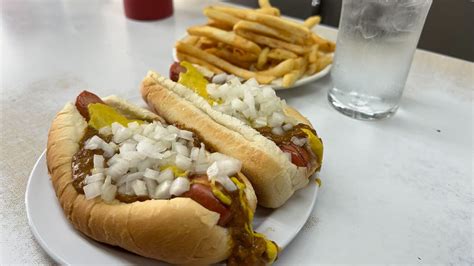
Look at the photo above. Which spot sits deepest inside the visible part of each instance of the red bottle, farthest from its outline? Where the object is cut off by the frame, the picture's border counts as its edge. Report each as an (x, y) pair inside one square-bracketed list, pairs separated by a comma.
[(148, 9)]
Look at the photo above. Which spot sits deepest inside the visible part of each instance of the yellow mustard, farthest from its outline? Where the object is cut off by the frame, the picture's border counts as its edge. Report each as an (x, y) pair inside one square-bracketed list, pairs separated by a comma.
[(221, 196), (194, 80), (176, 171), (271, 247), (315, 143), (102, 115)]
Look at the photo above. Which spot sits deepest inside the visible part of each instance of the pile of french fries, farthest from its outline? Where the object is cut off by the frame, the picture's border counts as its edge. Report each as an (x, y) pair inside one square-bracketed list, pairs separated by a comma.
[(256, 43)]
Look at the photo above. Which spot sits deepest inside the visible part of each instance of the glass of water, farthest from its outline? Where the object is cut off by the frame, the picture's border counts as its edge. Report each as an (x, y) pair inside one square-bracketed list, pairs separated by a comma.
[(375, 46)]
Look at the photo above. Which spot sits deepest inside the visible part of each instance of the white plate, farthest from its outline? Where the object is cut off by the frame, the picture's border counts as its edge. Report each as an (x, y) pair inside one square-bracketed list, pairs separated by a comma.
[(68, 246), (276, 84)]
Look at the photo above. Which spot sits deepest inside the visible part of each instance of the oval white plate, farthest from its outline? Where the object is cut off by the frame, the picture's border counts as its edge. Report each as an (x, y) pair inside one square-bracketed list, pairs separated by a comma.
[(276, 84), (68, 246)]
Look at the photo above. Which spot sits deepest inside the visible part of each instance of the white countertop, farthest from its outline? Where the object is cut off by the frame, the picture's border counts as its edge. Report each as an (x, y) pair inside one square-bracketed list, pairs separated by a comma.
[(394, 191)]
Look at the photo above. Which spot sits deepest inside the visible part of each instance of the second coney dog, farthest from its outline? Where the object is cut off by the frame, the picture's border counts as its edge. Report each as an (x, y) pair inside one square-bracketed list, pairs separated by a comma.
[(278, 147)]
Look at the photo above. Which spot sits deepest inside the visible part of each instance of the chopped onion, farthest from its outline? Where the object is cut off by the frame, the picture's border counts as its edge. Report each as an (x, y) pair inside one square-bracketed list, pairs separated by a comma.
[(108, 190), (219, 78), (98, 161), (118, 169), (165, 175), (115, 127), (276, 120), (150, 173), (251, 82), (129, 178), (299, 142), (179, 186), (92, 190), (147, 163), (163, 190), (134, 126), (181, 149), (139, 188), (183, 162), (151, 186), (260, 122), (105, 131), (147, 147), (194, 153), (122, 134), (226, 183), (278, 131), (201, 168), (238, 105), (149, 129), (287, 126), (187, 135), (94, 143), (99, 177)]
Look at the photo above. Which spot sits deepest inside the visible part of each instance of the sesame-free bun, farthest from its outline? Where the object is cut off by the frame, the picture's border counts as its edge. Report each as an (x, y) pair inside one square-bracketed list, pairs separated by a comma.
[(272, 175), (178, 231)]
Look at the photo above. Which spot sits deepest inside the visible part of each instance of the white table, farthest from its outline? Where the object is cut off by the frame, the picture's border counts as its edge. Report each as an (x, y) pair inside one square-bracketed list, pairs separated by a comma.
[(394, 191)]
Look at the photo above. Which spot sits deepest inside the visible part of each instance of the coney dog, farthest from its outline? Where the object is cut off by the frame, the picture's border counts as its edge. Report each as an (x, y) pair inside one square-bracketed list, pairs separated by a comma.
[(278, 147), (126, 177)]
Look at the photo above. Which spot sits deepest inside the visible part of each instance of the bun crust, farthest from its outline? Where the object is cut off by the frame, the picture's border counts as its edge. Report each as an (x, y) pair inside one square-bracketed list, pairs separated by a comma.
[(179, 230), (273, 176)]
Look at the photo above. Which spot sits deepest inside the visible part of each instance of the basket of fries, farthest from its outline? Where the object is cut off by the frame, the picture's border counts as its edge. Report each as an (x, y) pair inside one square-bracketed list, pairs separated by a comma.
[(257, 43)]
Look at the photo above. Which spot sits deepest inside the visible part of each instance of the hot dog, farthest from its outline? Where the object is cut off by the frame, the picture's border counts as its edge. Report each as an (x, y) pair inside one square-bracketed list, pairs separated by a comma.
[(278, 147), (126, 177)]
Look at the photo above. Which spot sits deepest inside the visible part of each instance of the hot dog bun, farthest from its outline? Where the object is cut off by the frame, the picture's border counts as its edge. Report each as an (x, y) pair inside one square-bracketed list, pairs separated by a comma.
[(178, 231), (273, 176)]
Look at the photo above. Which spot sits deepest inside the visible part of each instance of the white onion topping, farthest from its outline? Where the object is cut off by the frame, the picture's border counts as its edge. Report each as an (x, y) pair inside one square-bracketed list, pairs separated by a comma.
[(255, 105), (154, 160)]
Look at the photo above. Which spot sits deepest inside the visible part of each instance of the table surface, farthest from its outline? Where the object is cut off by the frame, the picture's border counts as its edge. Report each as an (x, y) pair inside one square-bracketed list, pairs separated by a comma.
[(394, 191)]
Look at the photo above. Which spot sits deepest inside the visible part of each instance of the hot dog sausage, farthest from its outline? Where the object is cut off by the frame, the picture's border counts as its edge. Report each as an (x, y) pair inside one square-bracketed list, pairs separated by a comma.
[(175, 69), (299, 155), (204, 196), (83, 100)]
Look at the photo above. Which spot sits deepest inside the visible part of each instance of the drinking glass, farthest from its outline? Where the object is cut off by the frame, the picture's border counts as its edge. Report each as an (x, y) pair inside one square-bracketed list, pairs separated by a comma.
[(374, 51)]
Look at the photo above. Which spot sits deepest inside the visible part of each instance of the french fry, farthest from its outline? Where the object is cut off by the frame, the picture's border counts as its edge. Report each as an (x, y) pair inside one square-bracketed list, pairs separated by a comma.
[(205, 43), (262, 58), (290, 78), (220, 16), (273, 43), (280, 69), (194, 60), (267, 8), (242, 61), (273, 11), (264, 4), (312, 21), (300, 63), (222, 64), (300, 68), (226, 37), (313, 54), (281, 54), (312, 68), (190, 39), (324, 45), (265, 30), (219, 24), (324, 61), (269, 20)]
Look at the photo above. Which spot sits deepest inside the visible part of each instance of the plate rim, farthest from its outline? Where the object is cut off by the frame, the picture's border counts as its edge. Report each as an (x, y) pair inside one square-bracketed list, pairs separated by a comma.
[(33, 228)]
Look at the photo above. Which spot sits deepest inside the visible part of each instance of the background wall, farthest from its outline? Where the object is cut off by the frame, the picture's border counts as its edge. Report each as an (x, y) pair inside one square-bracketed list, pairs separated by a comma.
[(449, 27)]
